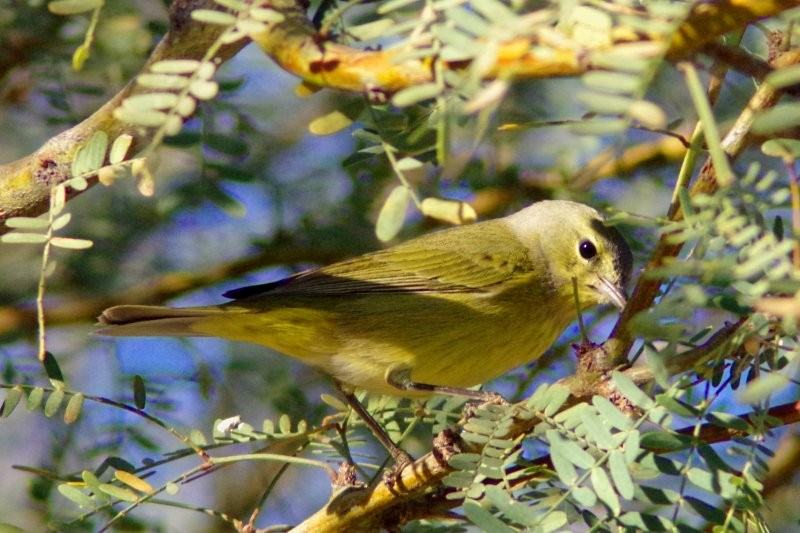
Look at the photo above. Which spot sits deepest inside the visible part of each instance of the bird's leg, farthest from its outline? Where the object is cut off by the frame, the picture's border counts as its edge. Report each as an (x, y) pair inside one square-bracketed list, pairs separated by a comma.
[(400, 378), (400, 456)]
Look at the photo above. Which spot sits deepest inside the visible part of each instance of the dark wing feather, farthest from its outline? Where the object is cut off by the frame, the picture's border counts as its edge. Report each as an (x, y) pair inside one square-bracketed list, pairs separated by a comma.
[(464, 259)]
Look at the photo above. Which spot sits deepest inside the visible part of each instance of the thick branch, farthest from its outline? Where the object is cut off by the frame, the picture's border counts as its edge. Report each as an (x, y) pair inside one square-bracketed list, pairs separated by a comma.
[(299, 48)]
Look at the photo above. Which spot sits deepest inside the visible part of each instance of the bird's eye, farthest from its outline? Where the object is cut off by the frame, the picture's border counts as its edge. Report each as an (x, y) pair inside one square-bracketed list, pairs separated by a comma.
[(587, 249)]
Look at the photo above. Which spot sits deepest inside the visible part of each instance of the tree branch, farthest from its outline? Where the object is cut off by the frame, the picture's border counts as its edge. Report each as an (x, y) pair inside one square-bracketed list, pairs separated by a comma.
[(25, 184), (297, 46)]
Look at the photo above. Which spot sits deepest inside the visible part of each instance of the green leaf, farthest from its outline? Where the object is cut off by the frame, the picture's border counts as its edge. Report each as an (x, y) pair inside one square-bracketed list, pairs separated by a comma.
[(147, 118), (564, 468), (632, 447), (620, 474), (510, 508), (596, 429), (459, 479), (76, 495), (204, 89), (119, 493), (570, 451), (614, 82), (416, 93), (139, 392), (715, 482), (632, 392), (610, 414), (61, 222), (730, 421), (150, 101), (608, 104), (557, 395), (92, 483), (784, 148), (585, 496), (53, 402), (34, 399), (465, 461), (197, 438), (602, 486), (262, 14), (371, 30), (74, 407), (119, 148), (13, 396), (72, 7), (482, 518), (393, 213), (16, 237), (452, 211), (168, 82), (175, 66), (91, 155), (210, 16), (677, 406), (285, 423), (70, 243), (781, 117), (663, 441), (553, 521), (27, 223)]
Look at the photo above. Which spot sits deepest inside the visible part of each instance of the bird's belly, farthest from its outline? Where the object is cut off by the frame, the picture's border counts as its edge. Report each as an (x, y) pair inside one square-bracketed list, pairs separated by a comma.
[(443, 343)]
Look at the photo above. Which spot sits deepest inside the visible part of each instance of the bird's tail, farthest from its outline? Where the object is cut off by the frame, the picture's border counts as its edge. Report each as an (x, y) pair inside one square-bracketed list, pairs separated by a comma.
[(153, 321)]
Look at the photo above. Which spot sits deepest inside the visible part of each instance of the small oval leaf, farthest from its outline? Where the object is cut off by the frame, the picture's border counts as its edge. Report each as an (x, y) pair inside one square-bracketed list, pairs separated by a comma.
[(393, 213), (74, 407)]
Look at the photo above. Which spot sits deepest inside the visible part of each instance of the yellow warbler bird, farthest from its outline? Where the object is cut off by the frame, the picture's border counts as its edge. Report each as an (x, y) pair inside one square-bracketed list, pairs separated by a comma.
[(438, 313)]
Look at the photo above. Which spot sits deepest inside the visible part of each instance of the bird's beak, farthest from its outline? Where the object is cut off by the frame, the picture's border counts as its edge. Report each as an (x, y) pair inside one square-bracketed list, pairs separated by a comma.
[(614, 293)]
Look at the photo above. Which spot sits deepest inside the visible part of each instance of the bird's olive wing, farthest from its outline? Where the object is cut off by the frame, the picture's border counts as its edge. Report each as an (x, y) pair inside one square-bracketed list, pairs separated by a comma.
[(464, 259)]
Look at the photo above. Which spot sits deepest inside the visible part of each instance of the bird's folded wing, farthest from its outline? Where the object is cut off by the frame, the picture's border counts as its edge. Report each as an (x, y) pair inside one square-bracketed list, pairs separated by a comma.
[(449, 261)]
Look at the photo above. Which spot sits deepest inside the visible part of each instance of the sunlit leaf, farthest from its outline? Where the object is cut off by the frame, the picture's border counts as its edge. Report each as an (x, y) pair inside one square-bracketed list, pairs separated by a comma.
[(70, 243), (393, 213), (16, 237), (133, 481), (76, 496), (210, 16), (482, 518), (119, 493), (53, 403), (119, 148), (34, 399), (26, 223), (74, 408), (72, 7)]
